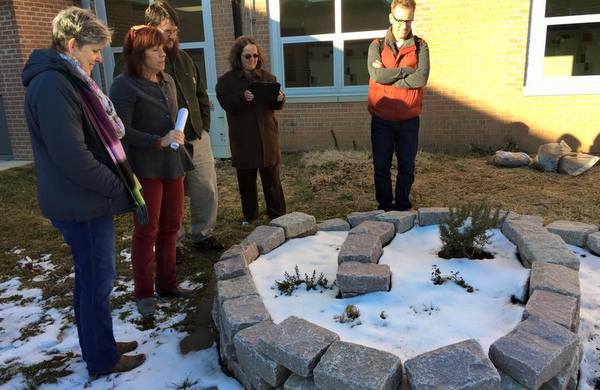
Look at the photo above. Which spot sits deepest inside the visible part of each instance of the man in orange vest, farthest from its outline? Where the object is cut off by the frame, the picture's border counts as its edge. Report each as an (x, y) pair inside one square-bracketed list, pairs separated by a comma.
[(398, 69)]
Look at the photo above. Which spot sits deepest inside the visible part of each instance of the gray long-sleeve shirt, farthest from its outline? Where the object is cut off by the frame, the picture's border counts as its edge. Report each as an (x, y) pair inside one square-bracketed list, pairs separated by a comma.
[(399, 77), (148, 111)]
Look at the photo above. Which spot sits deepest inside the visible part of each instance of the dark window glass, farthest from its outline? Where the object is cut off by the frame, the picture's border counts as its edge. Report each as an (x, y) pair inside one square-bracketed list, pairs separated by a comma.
[(308, 64), (191, 24), (306, 17), (572, 7), (198, 57), (361, 15), (122, 14), (572, 50), (118, 58), (355, 62)]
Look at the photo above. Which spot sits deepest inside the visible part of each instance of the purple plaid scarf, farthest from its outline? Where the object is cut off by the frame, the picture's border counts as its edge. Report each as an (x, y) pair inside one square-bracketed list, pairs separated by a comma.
[(110, 129)]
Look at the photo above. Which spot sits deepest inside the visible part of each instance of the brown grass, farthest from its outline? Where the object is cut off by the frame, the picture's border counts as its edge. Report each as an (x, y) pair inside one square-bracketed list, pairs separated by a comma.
[(325, 184)]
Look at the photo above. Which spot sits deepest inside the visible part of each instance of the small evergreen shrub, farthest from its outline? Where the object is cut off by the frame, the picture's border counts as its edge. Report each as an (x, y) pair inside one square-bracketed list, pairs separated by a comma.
[(464, 232)]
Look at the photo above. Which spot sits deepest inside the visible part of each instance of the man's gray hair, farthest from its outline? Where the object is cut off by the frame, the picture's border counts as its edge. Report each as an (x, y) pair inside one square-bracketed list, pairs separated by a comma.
[(81, 24)]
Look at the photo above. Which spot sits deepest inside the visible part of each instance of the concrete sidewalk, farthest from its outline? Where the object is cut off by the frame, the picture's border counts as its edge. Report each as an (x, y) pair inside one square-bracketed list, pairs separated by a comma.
[(4, 165)]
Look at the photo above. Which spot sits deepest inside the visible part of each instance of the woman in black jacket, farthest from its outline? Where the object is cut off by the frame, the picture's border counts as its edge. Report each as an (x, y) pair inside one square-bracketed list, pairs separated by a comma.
[(82, 175), (146, 100)]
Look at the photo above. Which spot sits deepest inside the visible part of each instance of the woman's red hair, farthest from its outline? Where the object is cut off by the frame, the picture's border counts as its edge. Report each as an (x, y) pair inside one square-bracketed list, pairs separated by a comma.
[(137, 40)]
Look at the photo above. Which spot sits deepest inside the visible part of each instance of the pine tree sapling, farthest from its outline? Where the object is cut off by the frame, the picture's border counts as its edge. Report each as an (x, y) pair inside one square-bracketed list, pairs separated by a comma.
[(464, 233)]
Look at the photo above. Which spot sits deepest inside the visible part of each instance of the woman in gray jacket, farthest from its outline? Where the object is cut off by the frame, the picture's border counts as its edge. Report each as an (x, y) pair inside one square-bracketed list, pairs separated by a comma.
[(145, 99)]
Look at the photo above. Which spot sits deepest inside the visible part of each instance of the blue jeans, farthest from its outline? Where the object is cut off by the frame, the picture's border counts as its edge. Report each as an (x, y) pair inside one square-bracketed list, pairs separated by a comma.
[(388, 137), (93, 247)]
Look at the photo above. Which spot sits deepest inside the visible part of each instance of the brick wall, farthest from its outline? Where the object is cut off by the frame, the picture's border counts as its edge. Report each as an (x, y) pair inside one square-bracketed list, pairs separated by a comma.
[(475, 92), (24, 25), (476, 95), (223, 35)]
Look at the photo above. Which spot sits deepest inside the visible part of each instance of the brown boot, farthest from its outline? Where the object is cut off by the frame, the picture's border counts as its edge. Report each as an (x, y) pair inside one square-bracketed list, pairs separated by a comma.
[(126, 346), (125, 363)]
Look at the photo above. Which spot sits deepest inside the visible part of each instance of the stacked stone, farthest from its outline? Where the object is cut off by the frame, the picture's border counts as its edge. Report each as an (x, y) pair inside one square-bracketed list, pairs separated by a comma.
[(318, 360), (432, 215), (541, 352), (358, 269), (536, 244), (238, 311), (457, 366), (577, 233), (236, 303)]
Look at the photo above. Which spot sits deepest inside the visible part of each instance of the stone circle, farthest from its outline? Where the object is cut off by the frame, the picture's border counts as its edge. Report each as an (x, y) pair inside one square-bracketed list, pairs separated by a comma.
[(542, 351)]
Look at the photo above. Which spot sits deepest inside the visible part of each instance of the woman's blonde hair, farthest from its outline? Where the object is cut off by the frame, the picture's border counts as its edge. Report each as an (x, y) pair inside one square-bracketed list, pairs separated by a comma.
[(81, 24)]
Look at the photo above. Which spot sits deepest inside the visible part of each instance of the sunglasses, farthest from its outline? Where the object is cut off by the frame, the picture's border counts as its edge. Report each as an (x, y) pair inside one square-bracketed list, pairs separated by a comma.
[(248, 56)]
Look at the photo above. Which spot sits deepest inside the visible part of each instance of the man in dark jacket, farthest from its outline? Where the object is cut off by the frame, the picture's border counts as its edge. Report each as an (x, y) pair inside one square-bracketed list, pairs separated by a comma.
[(201, 183)]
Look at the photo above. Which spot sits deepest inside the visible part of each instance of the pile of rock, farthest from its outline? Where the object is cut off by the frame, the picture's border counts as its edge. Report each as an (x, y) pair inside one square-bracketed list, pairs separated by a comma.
[(543, 351)]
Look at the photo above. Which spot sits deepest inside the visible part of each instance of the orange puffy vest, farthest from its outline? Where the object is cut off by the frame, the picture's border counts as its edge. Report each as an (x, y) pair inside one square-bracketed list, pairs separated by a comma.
[(393, 103)]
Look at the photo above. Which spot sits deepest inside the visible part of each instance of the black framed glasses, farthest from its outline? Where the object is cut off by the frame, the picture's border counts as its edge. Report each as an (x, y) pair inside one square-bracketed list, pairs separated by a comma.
[(248, 56), (404, 21)]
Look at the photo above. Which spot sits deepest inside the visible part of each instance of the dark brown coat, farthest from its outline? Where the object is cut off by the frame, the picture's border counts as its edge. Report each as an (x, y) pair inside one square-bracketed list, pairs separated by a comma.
[(253, 130)]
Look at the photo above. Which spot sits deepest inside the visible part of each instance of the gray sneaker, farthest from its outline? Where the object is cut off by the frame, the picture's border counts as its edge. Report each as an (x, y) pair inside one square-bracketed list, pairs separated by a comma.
[(146, 306)]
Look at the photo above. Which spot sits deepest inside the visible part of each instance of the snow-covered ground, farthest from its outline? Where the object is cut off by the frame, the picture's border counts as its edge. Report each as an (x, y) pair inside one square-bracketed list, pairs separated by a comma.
[(419, 316), (164, 368), (589, 326)]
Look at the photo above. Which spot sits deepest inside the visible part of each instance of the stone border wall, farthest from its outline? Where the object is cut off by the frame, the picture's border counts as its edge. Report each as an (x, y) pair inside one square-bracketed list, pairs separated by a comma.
[(542, 352)]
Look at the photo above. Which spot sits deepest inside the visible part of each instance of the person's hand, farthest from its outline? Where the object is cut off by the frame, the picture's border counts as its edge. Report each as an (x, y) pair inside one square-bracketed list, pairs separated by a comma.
[(249, 96), (280, 97), (378, 64), (172, 136)]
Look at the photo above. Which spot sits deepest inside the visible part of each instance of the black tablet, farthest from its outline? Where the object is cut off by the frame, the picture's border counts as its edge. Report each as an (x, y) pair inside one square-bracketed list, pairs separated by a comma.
[(266, 91)]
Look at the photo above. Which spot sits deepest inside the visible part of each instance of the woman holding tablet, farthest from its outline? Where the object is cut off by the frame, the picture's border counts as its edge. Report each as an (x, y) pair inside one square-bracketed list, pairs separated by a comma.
[(253, 130)]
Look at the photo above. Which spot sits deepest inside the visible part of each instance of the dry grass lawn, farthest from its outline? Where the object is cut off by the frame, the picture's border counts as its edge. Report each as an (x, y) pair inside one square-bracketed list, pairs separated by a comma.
[(325, 184)]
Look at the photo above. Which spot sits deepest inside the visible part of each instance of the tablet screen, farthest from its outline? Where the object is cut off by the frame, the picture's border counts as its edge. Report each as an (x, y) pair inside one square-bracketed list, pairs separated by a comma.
[(266, 91)]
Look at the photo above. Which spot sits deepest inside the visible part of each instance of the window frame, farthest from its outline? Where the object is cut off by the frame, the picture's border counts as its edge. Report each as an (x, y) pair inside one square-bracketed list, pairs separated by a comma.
[(538, 85), (338, 91), (207, 45)]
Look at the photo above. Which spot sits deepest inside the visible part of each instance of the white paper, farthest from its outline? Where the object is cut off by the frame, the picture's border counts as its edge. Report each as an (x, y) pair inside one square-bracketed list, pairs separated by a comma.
[(182, 116)]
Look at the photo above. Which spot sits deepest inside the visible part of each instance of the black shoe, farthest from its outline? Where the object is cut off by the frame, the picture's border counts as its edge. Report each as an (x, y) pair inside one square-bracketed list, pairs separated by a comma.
[(177, 292), (210, 243)]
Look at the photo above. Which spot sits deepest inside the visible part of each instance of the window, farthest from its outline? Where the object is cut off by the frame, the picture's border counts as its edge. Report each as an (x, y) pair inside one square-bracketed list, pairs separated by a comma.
[(319, 47), (122, 14), (564, 48)]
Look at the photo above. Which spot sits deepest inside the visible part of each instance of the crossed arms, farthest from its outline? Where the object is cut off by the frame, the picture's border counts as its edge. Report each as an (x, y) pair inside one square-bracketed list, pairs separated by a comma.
[(399, 77)]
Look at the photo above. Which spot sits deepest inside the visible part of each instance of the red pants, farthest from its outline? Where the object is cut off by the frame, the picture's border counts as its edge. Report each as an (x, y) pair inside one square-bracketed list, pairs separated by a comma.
[(155, 242)]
